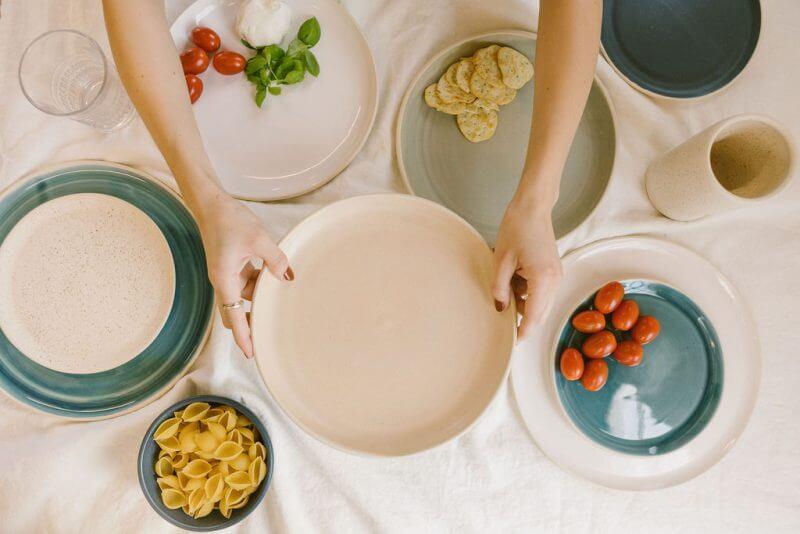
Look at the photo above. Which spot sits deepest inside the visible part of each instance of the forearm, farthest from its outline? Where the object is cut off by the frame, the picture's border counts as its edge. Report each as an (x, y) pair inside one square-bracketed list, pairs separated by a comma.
[(151, 71), (566, 54)]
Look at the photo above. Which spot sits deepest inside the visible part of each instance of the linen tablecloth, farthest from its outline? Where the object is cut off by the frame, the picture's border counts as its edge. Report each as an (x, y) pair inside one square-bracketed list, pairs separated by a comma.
[(58, 476)]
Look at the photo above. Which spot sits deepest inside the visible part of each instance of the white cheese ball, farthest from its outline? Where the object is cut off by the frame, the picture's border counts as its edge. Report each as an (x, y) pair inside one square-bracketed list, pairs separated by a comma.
[(263, 22)]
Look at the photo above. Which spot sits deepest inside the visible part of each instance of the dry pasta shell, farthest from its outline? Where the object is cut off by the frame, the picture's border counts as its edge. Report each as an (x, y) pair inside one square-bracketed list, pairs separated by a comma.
[(239, 480), (433, 100), (169, 481), (163, 467), (224, 509), (196, 499), (178, 414), (170, 444), (204, 510), (218, 430), (240, 504), (486, 65), (257, 450), (180, 461), (164, 452), (515, 69), (213, 414), (196, 469), (235, 436), (195, 411), (167, 429), (247, 436), (214, 487), (173, 499), (242, 420), (477, 127), (240, 463), (227, 451), (232, 496), (194, 483), (464, 72), (257, 471), (202, 455), (228, 420), (206, 441)]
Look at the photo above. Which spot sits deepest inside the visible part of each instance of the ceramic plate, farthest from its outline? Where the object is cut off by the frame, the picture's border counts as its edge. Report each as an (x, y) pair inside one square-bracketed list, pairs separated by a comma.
[(109, 202), (682, 409), (680, 48), (477, 180), (387, 342), (301, 139)]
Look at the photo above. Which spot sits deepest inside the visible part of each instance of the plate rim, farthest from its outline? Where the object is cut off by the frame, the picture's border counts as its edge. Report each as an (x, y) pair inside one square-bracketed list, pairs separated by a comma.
[(668, 478), (75, 416), (483, 35), (338, 446), (698, 98), (198, 5)]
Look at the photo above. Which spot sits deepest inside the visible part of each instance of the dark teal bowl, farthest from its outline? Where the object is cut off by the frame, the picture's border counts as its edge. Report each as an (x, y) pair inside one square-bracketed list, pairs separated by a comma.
[(664, 402), (148, 454), (108, 393)]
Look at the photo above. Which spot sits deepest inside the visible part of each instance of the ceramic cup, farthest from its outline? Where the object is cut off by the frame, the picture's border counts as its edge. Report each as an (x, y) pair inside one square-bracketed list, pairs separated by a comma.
[(732, 164)]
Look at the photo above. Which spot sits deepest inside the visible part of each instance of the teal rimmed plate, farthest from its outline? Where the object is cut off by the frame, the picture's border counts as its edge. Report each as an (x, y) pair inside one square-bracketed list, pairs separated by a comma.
[(168, 356), (664, 402)]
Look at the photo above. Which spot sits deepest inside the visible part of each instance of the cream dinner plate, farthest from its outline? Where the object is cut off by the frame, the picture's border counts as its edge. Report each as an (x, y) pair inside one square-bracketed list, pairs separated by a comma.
[(669, 419), (387, 342), (301, 139)]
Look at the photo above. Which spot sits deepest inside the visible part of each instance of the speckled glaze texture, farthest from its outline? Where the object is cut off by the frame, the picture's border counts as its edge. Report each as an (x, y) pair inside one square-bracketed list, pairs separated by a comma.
[(162, 362), (729, 165)]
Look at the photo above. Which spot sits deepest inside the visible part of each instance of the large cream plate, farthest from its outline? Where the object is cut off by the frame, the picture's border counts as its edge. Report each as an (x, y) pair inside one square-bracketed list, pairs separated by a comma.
[(301, 139), (387, 342), (642, 258)]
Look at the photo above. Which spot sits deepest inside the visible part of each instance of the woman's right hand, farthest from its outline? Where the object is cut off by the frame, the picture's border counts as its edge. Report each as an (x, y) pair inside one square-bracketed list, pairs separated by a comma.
[(232, 237)]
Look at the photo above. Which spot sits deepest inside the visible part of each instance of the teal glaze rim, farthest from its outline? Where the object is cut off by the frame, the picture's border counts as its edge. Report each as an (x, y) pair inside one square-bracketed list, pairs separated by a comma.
[(148, 454), (106, 393), (656, 92), (707, 406)]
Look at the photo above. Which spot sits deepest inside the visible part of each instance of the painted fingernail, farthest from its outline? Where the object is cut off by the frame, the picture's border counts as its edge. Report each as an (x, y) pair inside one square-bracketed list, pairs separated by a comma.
[(288, 275), (499, 306)]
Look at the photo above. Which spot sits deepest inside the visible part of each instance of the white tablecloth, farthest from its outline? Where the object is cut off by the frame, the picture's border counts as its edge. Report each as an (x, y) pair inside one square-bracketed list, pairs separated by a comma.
[(58, 476)]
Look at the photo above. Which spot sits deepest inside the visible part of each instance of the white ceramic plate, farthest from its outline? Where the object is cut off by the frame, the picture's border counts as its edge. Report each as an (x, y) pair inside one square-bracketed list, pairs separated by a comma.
[(387, 342), (301, 139), (585, 270)]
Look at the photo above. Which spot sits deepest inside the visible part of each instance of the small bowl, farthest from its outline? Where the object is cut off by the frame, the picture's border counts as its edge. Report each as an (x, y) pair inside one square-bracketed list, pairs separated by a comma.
[(148, 453)]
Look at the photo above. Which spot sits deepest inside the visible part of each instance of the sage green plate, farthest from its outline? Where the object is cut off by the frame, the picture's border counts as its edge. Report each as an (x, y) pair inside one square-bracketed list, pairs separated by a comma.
[(477, 180)]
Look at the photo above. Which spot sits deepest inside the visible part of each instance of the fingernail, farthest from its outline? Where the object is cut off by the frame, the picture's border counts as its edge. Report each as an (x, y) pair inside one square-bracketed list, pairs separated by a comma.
[(288, 275), (499, 306)]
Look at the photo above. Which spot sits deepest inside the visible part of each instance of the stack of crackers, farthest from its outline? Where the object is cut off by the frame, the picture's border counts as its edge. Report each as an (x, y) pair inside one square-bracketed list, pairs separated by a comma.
[(474, 88)]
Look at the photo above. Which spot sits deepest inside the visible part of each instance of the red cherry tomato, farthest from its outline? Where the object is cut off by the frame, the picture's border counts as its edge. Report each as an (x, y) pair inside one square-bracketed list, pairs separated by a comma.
[(599, 345), (206, 38), (626, 315), (229, 63), (629, 353), (646, 329), (609, 297), (195, 85), (571, 364), (194, 60), (595, 375), (589, 322)]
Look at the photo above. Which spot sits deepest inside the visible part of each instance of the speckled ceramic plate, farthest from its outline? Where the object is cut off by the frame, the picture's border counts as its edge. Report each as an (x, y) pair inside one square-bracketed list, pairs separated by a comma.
[(680, 48), (682, 409), (297, 141), (387, 342), (477, 180), (83, 394)]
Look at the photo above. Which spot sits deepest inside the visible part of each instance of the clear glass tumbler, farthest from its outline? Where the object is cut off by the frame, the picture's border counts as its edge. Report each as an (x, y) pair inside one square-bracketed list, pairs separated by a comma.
[(65, 73)]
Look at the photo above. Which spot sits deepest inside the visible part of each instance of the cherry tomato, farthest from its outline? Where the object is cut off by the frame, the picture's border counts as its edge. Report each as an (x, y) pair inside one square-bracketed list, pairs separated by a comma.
[(206, 38), (626, 315), (646, 329), (194, 60), (599, 345), (195, 85), (609, 297), (595, 375), (571, 364), (229, 63), (629, 353), (589, 322)]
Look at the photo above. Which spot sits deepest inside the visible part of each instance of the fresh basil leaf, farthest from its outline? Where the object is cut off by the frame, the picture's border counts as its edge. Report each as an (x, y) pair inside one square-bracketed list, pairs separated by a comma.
[(254, 78), (254, 64), (310, 32), (274, 90), (272, 52), (286, 66), (261, 94), (296, 48), (248, 45), (296, 76), (311, 63), (263, 76)]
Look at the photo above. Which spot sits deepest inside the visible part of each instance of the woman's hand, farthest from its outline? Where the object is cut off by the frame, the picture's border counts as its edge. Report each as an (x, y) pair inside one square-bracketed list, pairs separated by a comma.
[(232, 236), (526, 262)]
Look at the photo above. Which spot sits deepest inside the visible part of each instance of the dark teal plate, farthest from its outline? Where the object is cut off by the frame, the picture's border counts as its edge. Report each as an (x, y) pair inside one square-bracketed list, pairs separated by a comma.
[(680, 48), (668, 399), (149, 374)]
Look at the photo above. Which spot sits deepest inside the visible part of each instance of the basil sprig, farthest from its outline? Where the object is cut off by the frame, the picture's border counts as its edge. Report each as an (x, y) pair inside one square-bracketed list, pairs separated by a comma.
[(272, 66)]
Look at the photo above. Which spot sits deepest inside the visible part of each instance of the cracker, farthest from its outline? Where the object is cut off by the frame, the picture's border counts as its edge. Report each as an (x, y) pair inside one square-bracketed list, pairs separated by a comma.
[(433, 100), (477, 127), (515, 69), (481, 88), (464, 72), (448, 89), (485, 61), (481, 105)]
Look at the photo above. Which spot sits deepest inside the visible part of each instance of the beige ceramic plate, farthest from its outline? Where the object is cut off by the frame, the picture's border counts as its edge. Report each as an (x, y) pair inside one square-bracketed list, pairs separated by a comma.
[(387, 343)]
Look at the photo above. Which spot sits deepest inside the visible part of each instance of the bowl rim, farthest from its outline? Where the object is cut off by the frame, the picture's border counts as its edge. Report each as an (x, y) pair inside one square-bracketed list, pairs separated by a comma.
[(188, 523)]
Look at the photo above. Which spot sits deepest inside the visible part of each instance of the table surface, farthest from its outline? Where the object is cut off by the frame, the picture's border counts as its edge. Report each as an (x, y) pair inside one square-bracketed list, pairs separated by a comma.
[(68, 477)]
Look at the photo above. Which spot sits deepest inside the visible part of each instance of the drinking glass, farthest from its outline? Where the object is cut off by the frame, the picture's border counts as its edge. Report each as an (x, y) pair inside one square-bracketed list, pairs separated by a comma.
[(64, 73)]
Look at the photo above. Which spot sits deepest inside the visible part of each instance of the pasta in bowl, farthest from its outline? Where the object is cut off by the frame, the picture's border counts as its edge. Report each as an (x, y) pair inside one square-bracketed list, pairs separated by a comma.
[(205, 463)]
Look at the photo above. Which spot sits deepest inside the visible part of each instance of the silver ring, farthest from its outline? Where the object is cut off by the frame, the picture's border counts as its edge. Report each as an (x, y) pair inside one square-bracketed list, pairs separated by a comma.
[(524, 297), (233, 305)]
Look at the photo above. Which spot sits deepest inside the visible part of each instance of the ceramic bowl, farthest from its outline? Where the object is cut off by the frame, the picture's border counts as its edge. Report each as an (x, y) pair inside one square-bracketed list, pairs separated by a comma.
[(148, 454)]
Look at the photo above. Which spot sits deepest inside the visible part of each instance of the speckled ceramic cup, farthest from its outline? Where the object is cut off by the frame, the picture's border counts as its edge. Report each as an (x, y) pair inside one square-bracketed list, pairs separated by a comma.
[(732, 164)]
